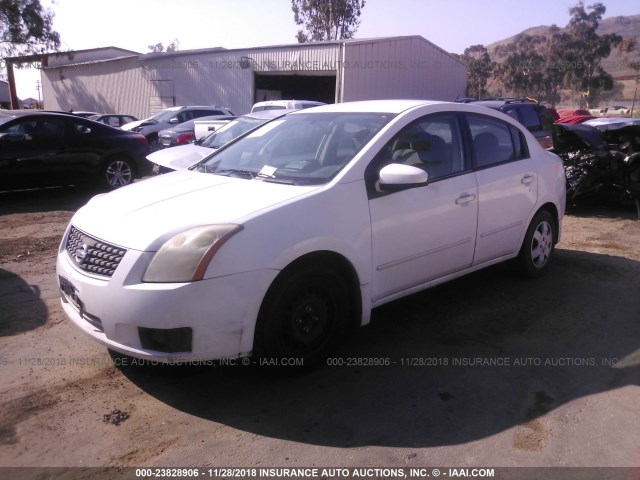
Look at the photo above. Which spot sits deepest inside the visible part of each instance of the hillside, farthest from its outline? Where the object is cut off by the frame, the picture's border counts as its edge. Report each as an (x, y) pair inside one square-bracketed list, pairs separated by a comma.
[(617, 64)]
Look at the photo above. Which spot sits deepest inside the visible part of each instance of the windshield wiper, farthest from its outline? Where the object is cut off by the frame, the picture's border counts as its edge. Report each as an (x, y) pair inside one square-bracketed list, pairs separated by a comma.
[(278, 180), (236, 171)]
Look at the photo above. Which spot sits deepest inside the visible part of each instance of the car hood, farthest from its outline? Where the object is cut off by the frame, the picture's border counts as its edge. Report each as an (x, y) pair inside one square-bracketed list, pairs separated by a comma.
[(144, 215), (179, 158)]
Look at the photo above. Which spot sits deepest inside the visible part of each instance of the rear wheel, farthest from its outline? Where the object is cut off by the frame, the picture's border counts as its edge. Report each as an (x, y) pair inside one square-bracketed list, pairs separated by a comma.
[(304, 316), (537, 248), (117, 172)]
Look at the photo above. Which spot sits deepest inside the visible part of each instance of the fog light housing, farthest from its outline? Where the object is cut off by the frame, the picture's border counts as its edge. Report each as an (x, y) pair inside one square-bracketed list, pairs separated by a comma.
[(168, 340)]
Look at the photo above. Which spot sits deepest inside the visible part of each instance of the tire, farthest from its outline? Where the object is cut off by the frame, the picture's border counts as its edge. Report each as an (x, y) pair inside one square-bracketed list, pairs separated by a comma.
[(304, 316), (117, 172), (154, 143), (538, 245)]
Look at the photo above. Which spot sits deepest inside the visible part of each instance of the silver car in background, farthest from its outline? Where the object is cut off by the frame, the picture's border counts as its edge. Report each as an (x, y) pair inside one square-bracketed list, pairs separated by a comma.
[(184, 156)]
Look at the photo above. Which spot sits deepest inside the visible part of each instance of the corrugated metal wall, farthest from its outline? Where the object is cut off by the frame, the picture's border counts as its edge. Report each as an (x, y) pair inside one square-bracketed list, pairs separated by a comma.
[(226, 78), (115, 86), (404, 67), (141, 85)]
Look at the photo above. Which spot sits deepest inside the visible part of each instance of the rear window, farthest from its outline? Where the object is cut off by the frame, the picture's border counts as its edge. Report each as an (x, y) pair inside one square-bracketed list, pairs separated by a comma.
[(546, 118)]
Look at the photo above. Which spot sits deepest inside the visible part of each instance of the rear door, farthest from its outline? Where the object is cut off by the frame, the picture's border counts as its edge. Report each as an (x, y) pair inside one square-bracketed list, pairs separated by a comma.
[(31, 148), (507, 185)]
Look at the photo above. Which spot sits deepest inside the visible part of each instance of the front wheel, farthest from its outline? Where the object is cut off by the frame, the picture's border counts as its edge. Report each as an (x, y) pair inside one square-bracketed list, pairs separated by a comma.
[(537, 248), (117, 172), (305, 315)]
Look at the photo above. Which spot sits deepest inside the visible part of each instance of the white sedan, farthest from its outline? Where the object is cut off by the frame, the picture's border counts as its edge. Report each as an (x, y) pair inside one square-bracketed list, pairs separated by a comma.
[(279, 244)]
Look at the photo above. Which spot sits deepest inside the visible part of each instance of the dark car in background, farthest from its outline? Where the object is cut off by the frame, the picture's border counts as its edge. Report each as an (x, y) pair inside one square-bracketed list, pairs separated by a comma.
[(533, 115), (185, 132), (113, 119), (45, 149), (173, 116)]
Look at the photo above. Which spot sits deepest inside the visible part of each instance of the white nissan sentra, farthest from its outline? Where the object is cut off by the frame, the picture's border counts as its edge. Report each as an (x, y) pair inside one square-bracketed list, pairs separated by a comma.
[(280, 242)]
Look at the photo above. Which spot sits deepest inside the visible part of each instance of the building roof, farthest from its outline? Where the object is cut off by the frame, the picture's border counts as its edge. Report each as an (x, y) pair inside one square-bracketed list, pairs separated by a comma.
[(349, 41), (39, 56)]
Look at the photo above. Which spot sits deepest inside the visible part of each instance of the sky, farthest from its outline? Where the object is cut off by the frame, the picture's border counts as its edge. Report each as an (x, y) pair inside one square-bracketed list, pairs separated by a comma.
[(135, 24)]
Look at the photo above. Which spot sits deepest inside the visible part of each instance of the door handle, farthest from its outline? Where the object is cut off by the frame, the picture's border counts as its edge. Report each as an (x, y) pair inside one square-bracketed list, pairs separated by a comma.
[(465, 198), (527, 179)]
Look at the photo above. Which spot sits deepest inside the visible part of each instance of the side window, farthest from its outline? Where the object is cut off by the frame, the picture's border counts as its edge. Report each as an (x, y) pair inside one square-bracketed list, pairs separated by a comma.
[(432, 143), (206, 113), (38, 129), (519, 144), (22, 131), (50, 128), (512, 113), (530, 118), (184, 116), (495, 141)]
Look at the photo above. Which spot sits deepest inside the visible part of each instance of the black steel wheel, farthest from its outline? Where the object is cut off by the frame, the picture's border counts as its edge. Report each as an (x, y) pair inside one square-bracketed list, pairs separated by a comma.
[(304, 316)]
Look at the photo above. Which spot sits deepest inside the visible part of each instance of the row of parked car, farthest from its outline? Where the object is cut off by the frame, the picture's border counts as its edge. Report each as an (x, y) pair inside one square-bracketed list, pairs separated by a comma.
[(107, 150)]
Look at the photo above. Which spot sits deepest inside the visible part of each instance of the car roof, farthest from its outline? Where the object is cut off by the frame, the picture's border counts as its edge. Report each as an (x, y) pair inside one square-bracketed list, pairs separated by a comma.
[(371, 106), (26, 112), (287, 102), (266, 114)]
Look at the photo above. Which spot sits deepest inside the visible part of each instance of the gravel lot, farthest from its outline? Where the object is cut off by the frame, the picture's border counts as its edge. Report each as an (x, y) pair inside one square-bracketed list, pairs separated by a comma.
[(489, 370)]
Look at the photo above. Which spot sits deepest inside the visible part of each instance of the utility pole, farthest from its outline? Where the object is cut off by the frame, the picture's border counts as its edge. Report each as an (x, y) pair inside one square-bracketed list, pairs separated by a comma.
[(38, 89)]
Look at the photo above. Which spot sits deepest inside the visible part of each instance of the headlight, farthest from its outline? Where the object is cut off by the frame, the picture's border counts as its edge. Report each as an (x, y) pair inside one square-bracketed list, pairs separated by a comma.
[(185, 257)]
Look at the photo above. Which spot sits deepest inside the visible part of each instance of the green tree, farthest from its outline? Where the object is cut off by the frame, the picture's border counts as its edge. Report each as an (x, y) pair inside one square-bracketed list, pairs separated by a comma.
[(25, 28), (555, 68), (479, 68), (159, 47), (326, 19), (585, 52), (522, 65)]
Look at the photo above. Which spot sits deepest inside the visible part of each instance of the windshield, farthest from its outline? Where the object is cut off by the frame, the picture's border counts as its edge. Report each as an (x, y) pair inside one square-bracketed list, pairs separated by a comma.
[(232, 130), (300, 149), (164, 115)]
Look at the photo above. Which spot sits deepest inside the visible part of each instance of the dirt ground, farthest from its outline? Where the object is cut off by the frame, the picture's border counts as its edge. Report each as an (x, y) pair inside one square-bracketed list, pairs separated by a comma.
[(489, 370)]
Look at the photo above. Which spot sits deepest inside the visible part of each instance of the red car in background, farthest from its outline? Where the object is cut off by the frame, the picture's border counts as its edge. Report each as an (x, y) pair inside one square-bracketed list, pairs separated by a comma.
[(573, 115)]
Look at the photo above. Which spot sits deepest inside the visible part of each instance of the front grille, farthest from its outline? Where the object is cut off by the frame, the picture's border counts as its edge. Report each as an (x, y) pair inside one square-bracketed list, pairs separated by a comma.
[(93, 255)]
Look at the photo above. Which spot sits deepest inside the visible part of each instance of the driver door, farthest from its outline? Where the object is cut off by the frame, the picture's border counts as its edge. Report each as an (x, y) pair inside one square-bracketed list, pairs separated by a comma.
[(422, 233)]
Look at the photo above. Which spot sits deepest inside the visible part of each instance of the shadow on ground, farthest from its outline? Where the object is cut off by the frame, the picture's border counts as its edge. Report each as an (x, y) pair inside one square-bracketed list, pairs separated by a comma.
[(568, 335), (66, 198), (21, 305)]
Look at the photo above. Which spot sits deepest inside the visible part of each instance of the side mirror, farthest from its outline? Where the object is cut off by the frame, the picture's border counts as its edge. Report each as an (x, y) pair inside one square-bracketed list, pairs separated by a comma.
[(174, 120), (397, 176)]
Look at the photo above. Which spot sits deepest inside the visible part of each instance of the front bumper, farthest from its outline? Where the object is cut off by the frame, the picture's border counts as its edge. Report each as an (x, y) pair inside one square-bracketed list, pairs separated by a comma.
[(218, 315)]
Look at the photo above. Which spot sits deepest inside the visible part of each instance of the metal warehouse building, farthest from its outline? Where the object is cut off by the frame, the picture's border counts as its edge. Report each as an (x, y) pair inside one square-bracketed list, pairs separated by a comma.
[(113, 80)]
